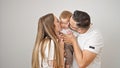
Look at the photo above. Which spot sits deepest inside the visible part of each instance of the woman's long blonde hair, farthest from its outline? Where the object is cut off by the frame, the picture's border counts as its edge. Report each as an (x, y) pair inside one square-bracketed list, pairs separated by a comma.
[(45, 33)]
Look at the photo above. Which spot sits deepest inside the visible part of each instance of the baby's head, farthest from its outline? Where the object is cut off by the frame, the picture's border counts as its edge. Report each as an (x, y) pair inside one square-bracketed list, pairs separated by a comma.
[(64, 18)]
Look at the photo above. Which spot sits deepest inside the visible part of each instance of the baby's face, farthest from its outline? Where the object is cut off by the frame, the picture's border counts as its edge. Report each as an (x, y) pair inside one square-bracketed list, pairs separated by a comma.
[(64, 23)]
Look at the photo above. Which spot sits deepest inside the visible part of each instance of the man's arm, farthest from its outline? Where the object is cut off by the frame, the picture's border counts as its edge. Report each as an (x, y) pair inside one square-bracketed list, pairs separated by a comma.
[(85, 57)]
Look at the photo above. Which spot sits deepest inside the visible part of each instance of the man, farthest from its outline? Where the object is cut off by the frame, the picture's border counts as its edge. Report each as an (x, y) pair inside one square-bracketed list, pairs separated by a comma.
[(89, 43)]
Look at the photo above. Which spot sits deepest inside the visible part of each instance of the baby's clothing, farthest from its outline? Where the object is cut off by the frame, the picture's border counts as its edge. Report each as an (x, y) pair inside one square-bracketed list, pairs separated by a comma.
[(68, 48)]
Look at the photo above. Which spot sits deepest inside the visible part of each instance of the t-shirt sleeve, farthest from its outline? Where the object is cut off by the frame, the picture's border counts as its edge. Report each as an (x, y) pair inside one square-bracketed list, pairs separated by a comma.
[(51, 51), (94, 43)]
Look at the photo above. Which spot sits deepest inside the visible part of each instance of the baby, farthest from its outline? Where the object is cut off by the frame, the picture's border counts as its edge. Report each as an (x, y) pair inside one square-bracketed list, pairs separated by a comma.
[(64, 21)]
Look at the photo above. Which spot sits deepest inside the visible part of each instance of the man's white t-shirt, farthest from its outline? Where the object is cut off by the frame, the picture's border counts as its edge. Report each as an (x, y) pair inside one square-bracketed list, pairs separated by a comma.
[(92, 41)]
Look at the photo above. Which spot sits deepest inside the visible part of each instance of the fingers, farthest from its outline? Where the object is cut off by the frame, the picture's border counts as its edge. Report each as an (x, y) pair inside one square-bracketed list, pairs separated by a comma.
[(60, 36), (64, 54), (66, 38), (69, 32)]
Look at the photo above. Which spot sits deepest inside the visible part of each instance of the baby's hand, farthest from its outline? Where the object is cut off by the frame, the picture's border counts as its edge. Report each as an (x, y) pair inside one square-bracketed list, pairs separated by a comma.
[(69, 31)]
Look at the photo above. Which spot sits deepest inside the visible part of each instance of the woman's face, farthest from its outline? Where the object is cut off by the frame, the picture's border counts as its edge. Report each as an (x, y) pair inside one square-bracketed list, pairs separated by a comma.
[(57, 24)]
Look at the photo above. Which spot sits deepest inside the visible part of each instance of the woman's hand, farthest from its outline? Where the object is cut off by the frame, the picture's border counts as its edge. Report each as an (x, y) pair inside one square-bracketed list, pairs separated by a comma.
[(60, 40)]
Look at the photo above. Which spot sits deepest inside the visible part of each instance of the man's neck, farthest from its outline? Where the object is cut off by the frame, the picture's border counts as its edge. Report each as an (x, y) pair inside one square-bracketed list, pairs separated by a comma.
[(84, 30)]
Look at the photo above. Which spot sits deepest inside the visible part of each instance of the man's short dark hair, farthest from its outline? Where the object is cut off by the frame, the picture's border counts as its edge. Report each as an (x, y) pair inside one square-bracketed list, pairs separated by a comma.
[(82, 19)]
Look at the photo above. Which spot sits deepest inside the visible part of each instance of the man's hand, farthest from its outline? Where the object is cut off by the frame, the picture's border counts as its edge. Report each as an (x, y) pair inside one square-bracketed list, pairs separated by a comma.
[(69, 38)]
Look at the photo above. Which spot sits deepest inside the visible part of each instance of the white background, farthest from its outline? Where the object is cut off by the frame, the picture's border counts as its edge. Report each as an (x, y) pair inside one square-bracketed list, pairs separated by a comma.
[(18, 27)]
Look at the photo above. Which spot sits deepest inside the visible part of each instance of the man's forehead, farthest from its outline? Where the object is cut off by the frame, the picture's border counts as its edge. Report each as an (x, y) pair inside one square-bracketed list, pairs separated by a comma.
[(73, 23)]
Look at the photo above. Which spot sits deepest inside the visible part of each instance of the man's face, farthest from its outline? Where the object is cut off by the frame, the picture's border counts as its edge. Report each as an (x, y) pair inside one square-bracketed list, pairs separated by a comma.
[(72, 25)]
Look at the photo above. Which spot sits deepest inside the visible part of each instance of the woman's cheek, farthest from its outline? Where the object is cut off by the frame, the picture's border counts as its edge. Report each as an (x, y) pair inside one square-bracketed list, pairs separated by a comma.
[(59, 26)]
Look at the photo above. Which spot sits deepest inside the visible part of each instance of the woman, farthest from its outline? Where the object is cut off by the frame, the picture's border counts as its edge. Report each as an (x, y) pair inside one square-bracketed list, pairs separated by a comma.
[(49, 48)]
